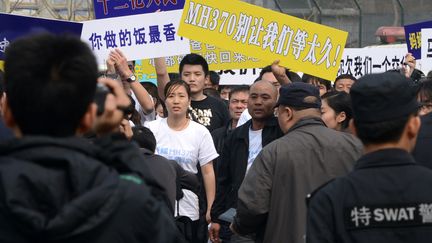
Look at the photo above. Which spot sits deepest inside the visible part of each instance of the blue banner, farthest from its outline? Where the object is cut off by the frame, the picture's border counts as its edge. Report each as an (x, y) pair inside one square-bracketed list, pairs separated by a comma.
[(116, 8), (413, 37), (14, 26)]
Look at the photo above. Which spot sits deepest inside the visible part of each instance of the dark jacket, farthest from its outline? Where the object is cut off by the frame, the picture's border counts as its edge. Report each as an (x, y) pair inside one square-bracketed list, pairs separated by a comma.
[(219, 135), (387, 198), (422, 152), (169, 174), (56, 190), (271, 200), (233, 164)]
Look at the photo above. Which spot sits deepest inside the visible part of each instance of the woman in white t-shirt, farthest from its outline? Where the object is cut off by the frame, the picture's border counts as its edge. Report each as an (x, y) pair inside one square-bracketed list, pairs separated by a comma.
[(187, 142)]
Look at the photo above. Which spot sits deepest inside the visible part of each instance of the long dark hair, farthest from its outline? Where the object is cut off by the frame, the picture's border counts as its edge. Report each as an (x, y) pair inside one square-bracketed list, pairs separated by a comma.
[(340, 101)]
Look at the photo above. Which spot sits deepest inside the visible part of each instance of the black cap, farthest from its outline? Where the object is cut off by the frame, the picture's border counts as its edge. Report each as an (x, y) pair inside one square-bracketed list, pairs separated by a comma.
[(383, 97), (294, 95)]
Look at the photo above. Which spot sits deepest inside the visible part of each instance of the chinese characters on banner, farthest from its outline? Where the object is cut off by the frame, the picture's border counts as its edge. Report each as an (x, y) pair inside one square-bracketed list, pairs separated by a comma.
[(117, 8), (14, 26), (426, 47), (413, 37), (217, 59), (258, 32), (138, 36), (361, 61)]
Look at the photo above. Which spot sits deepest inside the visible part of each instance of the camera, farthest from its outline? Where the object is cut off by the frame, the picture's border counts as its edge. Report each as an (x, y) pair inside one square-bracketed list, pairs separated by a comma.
[(100, 96)]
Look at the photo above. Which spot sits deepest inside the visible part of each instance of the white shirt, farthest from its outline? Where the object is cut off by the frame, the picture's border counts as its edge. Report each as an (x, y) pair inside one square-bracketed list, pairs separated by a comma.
[(255, 146), (188, 147), (144, 117)]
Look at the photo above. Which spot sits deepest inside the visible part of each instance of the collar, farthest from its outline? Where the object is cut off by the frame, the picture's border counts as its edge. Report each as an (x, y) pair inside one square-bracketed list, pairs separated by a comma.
[(306, 121), (385, 157), (244, 129)]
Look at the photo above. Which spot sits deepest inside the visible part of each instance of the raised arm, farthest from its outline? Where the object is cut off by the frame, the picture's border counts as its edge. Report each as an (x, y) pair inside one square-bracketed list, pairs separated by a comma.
[(162, 75)]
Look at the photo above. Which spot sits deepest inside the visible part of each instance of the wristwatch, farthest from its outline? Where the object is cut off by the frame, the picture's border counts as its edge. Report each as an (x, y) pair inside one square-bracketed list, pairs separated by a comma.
[(131, 78)]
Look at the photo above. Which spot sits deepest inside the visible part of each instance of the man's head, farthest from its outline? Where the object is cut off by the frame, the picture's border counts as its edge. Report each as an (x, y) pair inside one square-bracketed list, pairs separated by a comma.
[(262, 100), (213, 81), (385, 110), (194, 71), (323, 85), (50, 84), (296, 101), (238, 100), (344, 82), (224, 91), (267, 75)]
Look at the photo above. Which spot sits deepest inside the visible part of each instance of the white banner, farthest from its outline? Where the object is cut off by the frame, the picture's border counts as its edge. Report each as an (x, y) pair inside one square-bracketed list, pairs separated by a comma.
[(426, 50), (361, 61), (138, 36)]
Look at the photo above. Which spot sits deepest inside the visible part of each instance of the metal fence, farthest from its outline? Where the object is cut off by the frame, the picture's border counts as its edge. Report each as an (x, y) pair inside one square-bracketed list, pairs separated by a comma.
[(361, 18)]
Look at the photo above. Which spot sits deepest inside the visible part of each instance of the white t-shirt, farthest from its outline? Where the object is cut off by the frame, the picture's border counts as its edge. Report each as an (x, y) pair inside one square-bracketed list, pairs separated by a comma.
[(144, 117), (255, 146), (244, 117), (188, 147)]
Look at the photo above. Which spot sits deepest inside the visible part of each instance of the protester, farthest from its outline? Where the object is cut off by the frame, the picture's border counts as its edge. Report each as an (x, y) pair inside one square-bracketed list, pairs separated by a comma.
[(187, 142), (380, 201), (55, 186), (168, 173), (206, 110), (323, 85), (344, 82), (240, 149), (336, 111), (271, 199), (117, 64)]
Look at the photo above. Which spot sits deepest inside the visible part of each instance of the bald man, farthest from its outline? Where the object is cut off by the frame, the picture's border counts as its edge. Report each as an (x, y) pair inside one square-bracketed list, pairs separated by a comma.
[(240, 150)]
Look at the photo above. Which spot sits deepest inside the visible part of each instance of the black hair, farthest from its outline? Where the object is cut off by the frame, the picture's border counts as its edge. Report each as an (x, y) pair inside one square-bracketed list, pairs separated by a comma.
[(425, 91), (340, 101), (194, 59), (294, 77), (211, 92), (50, 82), (214, 78), (381, 132), (238, 89), (173, 76), (306, 78), (345, 76), (144, 137), (170, 86)]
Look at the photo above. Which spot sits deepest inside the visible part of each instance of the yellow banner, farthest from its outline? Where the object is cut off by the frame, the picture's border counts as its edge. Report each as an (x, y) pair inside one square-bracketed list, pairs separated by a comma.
[(258, 32), (218, 59)]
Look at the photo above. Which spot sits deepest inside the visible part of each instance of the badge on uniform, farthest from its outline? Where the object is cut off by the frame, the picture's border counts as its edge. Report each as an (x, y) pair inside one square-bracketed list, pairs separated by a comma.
[(390, 215)]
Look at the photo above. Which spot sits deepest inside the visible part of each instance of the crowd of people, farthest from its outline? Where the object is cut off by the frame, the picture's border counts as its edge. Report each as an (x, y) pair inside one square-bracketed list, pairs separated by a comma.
[(96, 156)]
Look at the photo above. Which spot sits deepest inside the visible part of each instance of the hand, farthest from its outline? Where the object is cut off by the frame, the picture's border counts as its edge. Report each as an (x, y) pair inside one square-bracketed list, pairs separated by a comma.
[(110, 119), (214, 232), (409, 65), (121, 64), (126, 129), (110, 65), (280, 73)]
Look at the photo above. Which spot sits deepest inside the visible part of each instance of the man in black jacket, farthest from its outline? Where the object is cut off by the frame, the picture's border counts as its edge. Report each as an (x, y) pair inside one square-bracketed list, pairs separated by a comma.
[(387, 197), (241, 148), (55, 187)]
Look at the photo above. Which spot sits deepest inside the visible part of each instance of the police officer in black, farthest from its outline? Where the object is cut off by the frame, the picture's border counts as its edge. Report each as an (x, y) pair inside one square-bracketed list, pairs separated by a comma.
[(388, 197)]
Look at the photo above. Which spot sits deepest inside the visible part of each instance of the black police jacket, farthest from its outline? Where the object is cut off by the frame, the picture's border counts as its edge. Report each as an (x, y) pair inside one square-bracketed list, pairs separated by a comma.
[(57, 190), (422, 152), (387, 198), (233, 164)]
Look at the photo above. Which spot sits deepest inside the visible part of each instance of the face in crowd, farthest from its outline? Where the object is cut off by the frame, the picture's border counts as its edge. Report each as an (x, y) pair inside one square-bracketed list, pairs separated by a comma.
[(195, 77), (262, 100), (269, 76), (177, 100), (344, 84), (237, 104), (332, 119)]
